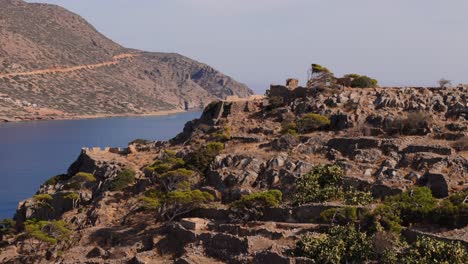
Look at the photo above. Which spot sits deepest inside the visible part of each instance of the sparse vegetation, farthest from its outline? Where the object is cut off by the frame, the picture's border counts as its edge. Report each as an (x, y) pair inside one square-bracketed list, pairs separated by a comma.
[(429, 250), (342, 244), (322, 184), (56, 179), (222, 135), (201, 158), (355, 197), (416, 123), (289, 128), (340, 216), (122, 180), (49, 232), (312, 122), (275, 102), (7, 228)]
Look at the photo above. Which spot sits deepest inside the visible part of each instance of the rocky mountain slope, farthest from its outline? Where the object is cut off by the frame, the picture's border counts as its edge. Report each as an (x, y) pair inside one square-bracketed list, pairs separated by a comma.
[(306, 175), (53, 64)]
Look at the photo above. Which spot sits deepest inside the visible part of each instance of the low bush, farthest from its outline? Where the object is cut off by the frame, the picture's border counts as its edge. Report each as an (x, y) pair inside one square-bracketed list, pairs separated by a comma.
[(222, 135), (43, 198), (250, 207), (140, 141), (414, 206), (340, 216), (355, 197), (322, 184), (383, 218), (123, 179), (201, 159), (416, 123), (429, 250), (7, 228), (452, 212), (362, 81), (289, 128), (312, 122), (50, 232), (342, 244), (72, 196)]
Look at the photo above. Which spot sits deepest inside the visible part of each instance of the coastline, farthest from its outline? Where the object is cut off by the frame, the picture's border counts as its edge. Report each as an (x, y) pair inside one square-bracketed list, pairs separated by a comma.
[(82, 117)]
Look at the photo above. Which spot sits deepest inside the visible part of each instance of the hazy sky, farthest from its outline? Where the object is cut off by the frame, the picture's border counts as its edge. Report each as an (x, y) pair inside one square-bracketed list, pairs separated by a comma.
[(258, 42)]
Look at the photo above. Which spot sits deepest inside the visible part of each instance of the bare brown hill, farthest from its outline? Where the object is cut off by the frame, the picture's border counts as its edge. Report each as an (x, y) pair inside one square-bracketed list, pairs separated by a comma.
[(53, 64)]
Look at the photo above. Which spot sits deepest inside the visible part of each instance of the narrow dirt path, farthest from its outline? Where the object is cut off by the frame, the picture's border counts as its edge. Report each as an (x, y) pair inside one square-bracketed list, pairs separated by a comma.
[(115, 60)]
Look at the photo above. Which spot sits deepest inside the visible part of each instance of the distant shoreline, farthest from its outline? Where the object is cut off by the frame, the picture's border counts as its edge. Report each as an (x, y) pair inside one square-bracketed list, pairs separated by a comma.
[(83, 117)]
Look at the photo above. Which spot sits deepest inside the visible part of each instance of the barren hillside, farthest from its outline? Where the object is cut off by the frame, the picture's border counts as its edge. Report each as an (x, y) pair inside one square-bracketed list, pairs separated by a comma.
[(53, 64)]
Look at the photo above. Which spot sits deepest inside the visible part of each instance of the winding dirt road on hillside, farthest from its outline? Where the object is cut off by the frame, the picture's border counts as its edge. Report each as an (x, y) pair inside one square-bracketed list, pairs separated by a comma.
[(115, 60)]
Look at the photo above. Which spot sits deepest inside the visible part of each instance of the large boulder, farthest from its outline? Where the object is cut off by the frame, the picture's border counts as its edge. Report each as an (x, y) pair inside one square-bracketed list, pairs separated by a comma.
[(234, 170), (437, 182)]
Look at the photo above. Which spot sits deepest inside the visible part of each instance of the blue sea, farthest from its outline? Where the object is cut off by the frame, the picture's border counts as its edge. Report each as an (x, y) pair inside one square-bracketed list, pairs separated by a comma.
[(32, 152)]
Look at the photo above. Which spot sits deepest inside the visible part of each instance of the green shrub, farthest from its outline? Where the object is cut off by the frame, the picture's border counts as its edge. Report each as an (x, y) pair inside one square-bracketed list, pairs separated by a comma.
[(72, 196), (45, 198), (50, 232), (7, 227), (414, 206), (289, 128), (312, 122), (341, 216), (322, 184), (140, 141), (122, 180), (201, 159), (72, 186), (342, 244), (452, 212), (429, 250), (355, 197), (250, 207), (383, 218), (222, 135), (363, 81), (84, 177)]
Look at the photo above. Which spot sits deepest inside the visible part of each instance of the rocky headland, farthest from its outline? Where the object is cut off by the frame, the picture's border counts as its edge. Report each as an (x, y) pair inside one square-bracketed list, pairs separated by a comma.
[(303, 175)]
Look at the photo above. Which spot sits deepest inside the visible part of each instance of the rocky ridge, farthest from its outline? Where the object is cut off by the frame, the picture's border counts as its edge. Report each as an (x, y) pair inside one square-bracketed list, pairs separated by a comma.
[(387, 141)]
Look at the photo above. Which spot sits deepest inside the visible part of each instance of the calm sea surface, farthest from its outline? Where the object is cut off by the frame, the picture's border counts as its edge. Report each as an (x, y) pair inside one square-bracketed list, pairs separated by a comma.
[(32, 152)]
